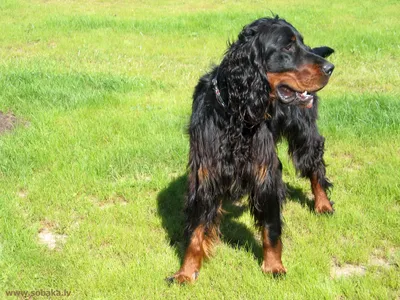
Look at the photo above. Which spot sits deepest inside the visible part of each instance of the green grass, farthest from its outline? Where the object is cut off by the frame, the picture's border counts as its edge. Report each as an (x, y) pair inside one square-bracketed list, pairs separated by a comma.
[(103, 89)]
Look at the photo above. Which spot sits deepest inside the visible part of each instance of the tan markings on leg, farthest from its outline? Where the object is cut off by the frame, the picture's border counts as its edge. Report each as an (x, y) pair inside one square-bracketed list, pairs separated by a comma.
[(212, 235), (211, 238), (193, 257), (261, 173), (202, 173), (272, 262), (200, 247), (321, 201)]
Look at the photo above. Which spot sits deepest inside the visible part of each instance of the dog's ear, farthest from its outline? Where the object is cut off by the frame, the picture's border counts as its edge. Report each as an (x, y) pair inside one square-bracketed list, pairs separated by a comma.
[(323, 51)]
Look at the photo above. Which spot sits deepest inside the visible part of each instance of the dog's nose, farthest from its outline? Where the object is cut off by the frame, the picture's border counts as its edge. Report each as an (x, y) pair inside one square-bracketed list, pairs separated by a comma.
[(328, 68)]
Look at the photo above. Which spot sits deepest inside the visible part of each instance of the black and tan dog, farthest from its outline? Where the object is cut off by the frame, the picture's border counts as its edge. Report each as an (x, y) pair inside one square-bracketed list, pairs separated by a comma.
[(263, 90)]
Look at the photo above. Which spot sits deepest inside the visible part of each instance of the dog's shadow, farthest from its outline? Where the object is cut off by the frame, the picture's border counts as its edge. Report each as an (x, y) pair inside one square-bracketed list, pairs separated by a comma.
[(170, 204), (296, 194)]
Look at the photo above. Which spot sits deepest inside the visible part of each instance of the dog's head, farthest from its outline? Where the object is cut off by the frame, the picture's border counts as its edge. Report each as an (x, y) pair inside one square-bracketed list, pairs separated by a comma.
[(294, 71)]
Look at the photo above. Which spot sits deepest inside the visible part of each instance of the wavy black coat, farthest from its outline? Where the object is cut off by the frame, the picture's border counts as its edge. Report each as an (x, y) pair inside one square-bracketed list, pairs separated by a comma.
[(233, 139)]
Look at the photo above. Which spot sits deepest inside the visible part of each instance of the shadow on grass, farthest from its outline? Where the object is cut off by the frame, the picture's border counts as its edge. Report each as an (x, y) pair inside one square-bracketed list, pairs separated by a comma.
[(170, 207), (170, 203), (296, 194)]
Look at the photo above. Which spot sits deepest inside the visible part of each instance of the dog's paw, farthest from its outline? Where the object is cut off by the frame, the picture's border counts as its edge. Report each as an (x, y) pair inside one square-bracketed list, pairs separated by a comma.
[(181, 277), (325, 208), (275, 269)]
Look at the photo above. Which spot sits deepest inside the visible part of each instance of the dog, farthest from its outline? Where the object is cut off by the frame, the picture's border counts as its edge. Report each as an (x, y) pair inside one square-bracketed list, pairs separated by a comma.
[(263, 90)]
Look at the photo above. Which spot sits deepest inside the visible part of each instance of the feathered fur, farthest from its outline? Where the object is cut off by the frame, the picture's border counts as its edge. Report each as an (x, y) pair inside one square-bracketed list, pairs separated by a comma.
[(233, 144)]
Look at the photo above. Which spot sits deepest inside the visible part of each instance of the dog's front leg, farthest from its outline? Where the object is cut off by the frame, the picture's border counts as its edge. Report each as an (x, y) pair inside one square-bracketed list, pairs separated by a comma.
[(307, 150), (321, 201)]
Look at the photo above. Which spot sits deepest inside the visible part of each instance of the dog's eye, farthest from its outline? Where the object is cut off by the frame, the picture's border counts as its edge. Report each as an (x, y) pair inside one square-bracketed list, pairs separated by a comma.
[(289, 47)]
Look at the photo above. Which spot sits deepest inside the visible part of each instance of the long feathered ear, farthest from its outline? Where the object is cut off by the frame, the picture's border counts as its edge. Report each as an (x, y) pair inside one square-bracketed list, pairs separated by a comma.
[(245, 78), (323, 51)]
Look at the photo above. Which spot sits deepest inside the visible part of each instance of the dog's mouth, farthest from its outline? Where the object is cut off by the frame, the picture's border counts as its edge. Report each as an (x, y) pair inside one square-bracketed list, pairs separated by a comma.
[(289, 96)]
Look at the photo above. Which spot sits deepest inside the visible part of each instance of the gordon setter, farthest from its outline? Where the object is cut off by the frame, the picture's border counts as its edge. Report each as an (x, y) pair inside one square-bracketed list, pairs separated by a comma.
[(263, 90)]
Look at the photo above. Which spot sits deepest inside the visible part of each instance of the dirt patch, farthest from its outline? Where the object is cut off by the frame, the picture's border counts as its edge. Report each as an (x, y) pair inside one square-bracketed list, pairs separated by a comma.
[(109, 201), (50, 239), (377, 259), (347, 270), (379, 262), (383, 259), (8, 121), (22, 193)]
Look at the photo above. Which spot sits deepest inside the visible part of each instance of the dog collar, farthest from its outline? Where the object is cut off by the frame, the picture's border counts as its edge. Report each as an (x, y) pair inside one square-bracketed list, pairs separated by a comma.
[(217, 92)]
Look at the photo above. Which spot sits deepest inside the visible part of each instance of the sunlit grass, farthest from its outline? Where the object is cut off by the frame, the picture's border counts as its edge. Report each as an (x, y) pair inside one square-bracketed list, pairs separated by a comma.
[(103, 91)]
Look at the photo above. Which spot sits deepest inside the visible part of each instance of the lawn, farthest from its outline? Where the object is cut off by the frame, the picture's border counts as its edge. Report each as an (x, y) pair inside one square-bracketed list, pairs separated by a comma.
[(96, 97)]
